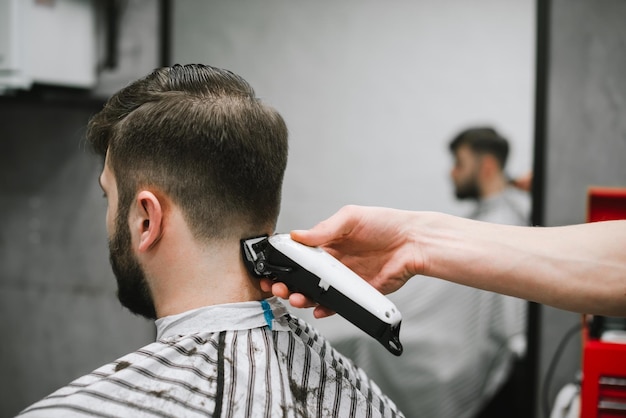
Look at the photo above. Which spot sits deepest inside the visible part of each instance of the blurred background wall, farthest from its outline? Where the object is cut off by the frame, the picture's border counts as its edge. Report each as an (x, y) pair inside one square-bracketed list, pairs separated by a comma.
[(372, 92), (60, 315), (582, 143)]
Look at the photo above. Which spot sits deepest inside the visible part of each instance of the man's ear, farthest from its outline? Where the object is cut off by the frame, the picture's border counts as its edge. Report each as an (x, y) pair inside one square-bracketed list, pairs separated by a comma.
[(148, 220), (489, 165)]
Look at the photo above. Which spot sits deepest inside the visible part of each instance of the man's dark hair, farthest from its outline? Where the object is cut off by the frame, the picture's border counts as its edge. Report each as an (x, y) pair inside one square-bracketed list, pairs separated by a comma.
[(200, 135), (483, 140)]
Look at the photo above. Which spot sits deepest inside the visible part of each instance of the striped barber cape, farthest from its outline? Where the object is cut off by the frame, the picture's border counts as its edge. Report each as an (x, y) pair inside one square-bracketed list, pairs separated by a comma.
[(250, 359)]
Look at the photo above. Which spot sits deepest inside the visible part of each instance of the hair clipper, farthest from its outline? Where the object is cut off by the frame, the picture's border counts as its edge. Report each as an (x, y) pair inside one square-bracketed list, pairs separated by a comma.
[(323, 279)]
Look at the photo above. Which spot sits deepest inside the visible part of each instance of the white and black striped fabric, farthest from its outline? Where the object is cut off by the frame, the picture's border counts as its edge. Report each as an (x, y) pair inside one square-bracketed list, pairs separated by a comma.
[(248, 359)]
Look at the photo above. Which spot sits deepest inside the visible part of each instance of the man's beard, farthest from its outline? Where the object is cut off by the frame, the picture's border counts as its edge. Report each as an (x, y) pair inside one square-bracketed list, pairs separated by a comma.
[(468, 191), (133, 291)]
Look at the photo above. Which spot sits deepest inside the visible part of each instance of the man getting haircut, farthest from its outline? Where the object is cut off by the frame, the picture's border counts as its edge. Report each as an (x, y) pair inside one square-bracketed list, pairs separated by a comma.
[(193, 163)]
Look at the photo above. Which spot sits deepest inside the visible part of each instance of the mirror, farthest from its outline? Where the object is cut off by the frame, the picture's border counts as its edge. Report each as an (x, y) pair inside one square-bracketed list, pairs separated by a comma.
[(372, 94)]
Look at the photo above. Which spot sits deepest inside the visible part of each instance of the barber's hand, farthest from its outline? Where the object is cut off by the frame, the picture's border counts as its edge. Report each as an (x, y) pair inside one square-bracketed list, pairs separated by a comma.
[(297, 300), (375, 243), (524, 182)]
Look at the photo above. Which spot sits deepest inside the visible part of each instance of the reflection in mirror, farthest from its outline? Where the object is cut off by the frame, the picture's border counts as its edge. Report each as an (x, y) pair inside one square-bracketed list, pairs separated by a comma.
[(372, 95)]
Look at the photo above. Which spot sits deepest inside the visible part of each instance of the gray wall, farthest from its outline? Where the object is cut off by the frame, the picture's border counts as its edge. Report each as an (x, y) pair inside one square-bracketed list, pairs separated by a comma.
[(60, 316), (371, 91), (587, 104), (586, 132)]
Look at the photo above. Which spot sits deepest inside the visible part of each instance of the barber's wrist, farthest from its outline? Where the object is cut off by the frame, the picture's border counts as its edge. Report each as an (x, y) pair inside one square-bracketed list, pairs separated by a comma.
[(429, 234)]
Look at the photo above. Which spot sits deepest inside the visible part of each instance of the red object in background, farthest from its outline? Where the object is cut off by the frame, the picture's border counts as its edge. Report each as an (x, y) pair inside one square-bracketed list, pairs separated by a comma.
[(603, 392), (606, 204)]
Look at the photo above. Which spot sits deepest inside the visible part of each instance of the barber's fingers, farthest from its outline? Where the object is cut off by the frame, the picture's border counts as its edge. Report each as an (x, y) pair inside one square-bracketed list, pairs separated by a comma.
[(266, 285), (297, 300), (305, 237), (280, 289), (333, 228), (322, 312)]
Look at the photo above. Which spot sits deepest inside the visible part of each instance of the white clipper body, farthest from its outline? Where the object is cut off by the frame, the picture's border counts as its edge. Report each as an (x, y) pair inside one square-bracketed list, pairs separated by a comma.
[(322, 278)]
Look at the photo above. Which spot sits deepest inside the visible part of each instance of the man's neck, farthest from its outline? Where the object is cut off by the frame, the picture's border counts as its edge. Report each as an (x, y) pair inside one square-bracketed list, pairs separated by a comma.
[(492, 187), (191, 276)]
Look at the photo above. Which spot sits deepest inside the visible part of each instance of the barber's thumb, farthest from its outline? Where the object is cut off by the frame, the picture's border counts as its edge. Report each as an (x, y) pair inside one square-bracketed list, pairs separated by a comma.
[(304, 236), (312, 237)]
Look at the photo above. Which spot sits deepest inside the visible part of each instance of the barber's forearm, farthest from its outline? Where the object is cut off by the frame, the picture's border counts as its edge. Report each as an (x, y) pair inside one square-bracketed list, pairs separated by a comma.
[(576, 268)]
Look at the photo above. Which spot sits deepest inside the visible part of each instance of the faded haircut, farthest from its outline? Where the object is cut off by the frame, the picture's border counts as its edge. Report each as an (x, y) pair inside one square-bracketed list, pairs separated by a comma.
[(483, 140), (199, 135)]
